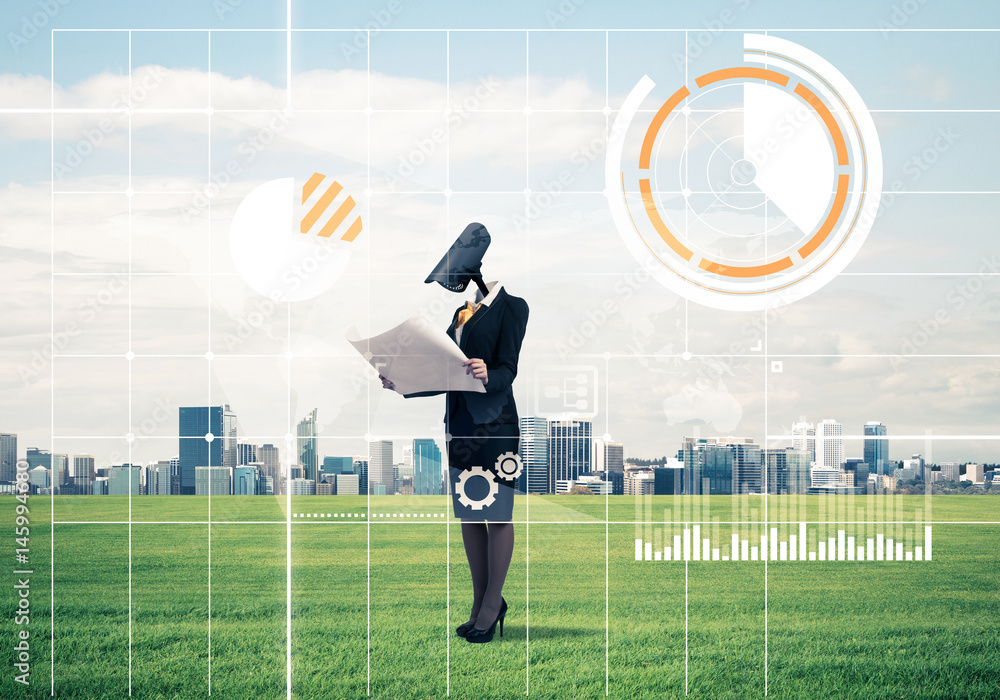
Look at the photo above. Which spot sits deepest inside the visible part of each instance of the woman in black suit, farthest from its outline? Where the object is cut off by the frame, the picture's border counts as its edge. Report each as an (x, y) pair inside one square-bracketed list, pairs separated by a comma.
[(481, 429)]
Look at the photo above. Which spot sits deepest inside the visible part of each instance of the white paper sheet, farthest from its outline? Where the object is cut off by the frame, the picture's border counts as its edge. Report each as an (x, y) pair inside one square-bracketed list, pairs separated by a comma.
[(417, 356)]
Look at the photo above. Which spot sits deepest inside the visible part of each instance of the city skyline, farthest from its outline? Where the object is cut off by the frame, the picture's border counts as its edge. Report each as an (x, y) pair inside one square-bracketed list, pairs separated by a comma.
[(557, 452), (900, 335)]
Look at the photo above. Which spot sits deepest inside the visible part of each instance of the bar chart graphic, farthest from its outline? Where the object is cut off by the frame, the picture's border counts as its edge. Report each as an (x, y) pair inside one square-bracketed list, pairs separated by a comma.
[(805, 545), (746, 527)]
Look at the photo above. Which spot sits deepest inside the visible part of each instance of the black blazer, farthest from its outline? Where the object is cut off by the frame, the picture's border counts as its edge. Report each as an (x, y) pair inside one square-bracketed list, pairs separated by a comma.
[(493, 334)]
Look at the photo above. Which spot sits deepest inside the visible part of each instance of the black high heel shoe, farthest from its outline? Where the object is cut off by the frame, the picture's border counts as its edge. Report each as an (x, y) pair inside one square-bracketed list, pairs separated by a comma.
[(463, 629), (480, 636)]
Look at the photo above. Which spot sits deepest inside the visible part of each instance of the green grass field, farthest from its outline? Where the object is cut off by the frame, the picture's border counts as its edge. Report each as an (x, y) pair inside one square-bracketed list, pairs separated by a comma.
[(833, 629)]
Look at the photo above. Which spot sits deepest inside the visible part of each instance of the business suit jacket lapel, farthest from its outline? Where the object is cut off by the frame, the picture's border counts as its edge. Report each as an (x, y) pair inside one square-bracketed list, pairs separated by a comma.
[(477, 317), (454, 322)]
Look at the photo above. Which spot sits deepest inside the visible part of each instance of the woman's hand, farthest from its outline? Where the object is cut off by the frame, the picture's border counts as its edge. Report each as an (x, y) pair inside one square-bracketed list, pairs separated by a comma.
[(478, 369), (387, 383)]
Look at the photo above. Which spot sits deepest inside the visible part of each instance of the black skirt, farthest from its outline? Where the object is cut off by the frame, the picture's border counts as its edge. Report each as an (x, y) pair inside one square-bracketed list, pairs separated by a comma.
[(478, 491)]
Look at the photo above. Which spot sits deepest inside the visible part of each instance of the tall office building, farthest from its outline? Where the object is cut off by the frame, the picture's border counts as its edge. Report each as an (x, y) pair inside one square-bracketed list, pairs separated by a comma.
[(804, 438), (8, 457), (361, 469), (246, 453), (829, 444), (709, 467), (534, 451), (195, 424), (215, 481), (270, 457), (60, 469), (876, 451), (570, 442), (306, 446), (426, 467), (748, 464), (950, 471), (84, 474), (38, 458), (39, 478), (158, 478), (788, 471), (124, 479), (245, 481), (347, 484), (916, 463), (858, 469), (668, 480), (380, 464), (338, 465), (608, 456)]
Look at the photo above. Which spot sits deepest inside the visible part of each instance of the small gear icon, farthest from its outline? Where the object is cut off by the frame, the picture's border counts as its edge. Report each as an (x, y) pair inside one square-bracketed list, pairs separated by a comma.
[(508, 466), (486, 500)]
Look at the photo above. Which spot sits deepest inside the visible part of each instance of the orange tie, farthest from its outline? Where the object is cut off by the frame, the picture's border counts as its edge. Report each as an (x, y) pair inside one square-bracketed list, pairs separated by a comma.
[(466, 313)]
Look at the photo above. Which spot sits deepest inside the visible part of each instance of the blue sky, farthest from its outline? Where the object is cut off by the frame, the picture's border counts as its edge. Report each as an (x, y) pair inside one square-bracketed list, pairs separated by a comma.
[(568, 254)]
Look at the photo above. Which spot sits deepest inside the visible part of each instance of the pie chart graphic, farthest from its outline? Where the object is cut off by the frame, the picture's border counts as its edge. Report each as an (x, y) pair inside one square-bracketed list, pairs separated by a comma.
[(750, 187), (291, 240)]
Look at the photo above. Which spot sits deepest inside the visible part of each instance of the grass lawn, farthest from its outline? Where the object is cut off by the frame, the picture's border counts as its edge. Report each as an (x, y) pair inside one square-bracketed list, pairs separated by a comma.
[(375, 599)]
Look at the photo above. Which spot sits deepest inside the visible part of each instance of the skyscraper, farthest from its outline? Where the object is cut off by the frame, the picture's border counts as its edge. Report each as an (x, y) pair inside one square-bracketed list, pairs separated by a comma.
[(534, 455), (158, 478), (215, 481), (361, 469), (829, 444), (245, 481), (709, 467), (614, 457), (207, 439), (124, 479), (306, 446), (8, 456), (38, 458), (338, 465), (270, 457), (84, 474), (426, 467), (804, 438), (788, 471), (570, 442), (380, 464), (60, 469), (876, 452), (748, 465), (247, 453)]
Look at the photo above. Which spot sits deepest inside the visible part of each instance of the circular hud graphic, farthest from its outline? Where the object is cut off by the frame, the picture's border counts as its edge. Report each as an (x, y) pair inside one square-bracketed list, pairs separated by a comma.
[(750, 187)]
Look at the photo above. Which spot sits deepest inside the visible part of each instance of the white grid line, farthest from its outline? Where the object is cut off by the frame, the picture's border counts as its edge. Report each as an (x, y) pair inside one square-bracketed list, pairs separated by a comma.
[(557, 30), (52, 365), (289, 31), (589, 523)]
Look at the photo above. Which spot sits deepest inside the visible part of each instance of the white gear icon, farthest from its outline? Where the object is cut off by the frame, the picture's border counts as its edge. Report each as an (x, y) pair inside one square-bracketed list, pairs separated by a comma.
[(486, 500), (508, 465)]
